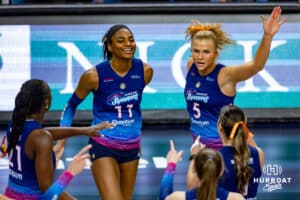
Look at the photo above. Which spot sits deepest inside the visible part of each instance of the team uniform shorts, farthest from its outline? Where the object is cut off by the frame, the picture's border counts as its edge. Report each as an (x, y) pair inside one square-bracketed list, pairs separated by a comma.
[(121, 156)]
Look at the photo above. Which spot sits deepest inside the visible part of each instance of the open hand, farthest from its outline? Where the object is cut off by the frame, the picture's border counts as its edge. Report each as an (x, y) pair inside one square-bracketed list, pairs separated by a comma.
[(79, 161), (272, 24), (93, 131)]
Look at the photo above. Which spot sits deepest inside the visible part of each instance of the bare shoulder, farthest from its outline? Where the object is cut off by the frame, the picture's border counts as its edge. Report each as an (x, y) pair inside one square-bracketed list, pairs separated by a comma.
[(235, 196), (38, 141), (90, 74), (178, 195), (41, 137), (88, 81), (147, 67), (148, 73)]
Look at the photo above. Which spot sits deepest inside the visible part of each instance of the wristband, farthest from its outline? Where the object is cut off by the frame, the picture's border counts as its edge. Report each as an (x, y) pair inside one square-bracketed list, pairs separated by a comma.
[(66, 177), (171, 167)]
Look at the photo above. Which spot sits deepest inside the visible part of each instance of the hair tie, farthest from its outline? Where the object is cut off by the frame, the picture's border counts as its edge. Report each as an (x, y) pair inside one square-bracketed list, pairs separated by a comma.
[(246, 130), (233, 130), (210, 158)]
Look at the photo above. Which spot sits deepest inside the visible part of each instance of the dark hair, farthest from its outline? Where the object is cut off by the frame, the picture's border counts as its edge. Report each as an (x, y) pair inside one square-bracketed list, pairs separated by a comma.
[(229, 116), (28, 101), (208, 165), (107, 39)]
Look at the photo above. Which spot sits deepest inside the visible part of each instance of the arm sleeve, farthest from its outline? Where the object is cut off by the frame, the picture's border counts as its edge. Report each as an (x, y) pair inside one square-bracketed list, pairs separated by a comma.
[(69, 111), (166, 184), (58, 187)]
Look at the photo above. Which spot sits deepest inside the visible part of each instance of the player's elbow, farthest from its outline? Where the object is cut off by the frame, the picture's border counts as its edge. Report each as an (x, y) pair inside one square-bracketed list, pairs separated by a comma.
[(45, 185)]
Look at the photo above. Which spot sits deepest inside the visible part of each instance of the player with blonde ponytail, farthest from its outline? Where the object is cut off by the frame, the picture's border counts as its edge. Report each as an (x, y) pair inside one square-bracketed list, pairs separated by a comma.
[(210, 84)]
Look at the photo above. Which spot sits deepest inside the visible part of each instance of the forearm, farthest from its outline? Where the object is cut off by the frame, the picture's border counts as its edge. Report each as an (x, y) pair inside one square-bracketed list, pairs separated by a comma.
[(58, 187), (190, 178), (64, 132), (69, 111), (166, 185), (262, 52)]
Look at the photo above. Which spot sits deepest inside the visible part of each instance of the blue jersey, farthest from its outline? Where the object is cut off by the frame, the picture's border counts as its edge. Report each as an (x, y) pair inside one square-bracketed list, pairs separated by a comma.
[(229, 179), (204, 100), (22, 176), (118, 100), (221, 194)]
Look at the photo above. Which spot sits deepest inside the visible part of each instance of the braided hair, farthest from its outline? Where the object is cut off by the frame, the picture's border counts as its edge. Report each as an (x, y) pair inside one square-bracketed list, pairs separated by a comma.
[(29, 100)]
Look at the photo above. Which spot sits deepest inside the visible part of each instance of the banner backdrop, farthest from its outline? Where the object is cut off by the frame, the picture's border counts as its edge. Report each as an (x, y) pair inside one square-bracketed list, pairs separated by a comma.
[(59, 54)]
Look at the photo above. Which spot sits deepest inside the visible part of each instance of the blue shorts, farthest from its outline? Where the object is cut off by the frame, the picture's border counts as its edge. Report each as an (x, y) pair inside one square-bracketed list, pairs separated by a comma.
[(121, 156)]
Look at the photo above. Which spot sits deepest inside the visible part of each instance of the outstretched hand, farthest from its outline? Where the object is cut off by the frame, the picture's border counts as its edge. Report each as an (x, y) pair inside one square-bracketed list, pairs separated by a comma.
[(196, 146), (173, 155), (79, 161), (273, 23), (93, 130)]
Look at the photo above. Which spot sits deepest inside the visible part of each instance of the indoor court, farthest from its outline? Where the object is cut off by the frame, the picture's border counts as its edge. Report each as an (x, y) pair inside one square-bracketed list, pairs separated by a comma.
[(280, 142)]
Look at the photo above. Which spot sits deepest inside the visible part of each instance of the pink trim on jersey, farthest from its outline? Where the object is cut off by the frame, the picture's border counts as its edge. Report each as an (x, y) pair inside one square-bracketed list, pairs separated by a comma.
[(214, 143), (19, 196), (118, 145)]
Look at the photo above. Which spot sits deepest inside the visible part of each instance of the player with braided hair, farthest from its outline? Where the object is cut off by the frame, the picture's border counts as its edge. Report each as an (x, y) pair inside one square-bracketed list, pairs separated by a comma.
[(31, 157)]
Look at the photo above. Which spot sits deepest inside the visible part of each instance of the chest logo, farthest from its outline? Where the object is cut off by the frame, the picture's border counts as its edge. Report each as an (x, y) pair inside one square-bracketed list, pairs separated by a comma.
[(122, 86), (197, 85)]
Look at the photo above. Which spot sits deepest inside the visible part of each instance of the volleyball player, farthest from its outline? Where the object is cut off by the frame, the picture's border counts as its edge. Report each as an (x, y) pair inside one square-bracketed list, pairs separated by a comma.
[(117, 85), (76, 166), (209, 84), (31, 158), (243, 162), (207, 166)]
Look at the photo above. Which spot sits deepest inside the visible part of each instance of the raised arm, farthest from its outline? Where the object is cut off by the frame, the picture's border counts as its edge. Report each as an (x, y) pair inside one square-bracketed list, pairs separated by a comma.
[(192, 180), (166, 185), (244, 71)]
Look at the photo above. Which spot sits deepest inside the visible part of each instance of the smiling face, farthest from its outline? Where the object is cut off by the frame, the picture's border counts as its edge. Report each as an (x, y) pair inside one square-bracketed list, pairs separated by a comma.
[(204, 54), (122, 44)]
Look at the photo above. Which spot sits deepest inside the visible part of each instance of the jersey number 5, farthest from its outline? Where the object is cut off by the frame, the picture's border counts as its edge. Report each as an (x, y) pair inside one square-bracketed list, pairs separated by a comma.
[(196, 109)]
